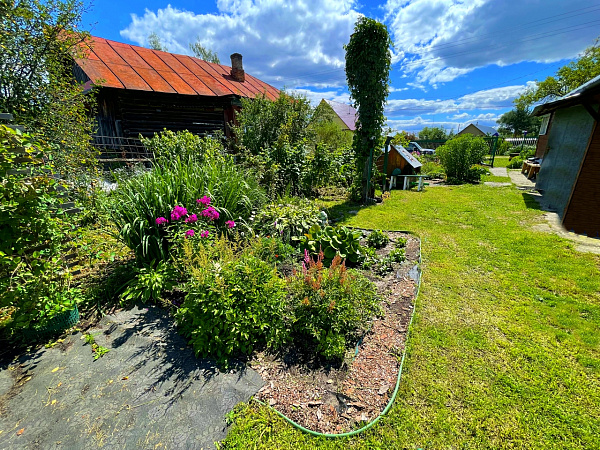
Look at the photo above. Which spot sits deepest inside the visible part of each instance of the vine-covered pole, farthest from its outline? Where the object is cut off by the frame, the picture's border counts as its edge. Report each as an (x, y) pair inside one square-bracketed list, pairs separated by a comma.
[(368, 61)]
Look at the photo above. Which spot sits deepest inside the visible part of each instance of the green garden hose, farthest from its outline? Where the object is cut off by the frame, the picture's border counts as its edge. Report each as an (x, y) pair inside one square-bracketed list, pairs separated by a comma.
[(392, 399)]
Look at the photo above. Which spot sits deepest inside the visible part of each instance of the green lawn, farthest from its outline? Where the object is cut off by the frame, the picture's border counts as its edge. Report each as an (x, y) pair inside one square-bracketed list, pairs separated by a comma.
[(505, 347)]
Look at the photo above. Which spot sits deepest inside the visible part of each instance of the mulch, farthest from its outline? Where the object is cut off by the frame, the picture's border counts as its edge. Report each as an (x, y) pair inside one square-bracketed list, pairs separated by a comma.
[(336, 399)]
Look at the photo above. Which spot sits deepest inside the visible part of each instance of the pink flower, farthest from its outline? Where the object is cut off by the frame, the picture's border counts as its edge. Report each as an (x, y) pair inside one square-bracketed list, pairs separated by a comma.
[(230, 224), (204, 200), (161, 221), (210, 213), (189, 233), (306, 257), (204, 234), (191, 218), (178, 212)]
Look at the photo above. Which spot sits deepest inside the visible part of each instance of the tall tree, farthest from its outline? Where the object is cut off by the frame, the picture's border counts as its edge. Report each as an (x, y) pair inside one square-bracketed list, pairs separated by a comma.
[(155, 43), (39, 39), (368, 61), (567, 78), (204, 53), (517, 120), (432, 133)]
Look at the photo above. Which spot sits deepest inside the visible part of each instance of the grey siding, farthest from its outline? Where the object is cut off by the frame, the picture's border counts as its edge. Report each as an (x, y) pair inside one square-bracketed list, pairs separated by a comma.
[(567, 142)]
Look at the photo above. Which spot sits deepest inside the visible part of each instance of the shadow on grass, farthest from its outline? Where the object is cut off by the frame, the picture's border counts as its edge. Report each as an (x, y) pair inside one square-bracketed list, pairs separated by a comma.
[(531, 201), (342, 211)]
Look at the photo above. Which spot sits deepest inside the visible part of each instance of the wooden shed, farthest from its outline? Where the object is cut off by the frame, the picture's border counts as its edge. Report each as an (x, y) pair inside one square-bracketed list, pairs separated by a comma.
[(569, 173), (401, 159), (143, 91)]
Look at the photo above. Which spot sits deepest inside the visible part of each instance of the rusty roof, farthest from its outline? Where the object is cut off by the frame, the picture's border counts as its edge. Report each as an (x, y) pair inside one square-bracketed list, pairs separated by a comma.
[(124, 66)]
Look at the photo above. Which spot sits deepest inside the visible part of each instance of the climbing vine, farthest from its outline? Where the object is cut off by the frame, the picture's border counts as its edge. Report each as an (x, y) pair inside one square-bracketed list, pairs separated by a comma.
[(368, 61)]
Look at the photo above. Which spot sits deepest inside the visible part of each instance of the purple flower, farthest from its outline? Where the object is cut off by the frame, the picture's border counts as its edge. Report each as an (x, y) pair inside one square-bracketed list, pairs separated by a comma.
[(306, 257), (230, 224), (210, 213), (204, 200), (161, 221), (178, 212), (204, 234), (191, 218), (189, 233)]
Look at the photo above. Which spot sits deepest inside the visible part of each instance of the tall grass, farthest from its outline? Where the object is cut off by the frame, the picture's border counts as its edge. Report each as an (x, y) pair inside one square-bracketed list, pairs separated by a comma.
[(137, 202)]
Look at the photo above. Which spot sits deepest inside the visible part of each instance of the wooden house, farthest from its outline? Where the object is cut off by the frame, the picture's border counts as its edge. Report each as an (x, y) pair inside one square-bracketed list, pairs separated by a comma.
[(143, 91), (400, 162), (477, 130), (569, 146)]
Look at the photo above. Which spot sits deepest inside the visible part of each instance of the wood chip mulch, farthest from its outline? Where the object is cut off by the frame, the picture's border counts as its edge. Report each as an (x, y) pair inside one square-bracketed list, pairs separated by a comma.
[(343, 398)]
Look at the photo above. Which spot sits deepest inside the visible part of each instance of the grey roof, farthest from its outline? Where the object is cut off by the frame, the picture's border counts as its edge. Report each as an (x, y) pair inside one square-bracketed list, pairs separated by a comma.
[(570, 99), (414, 162), (345, 112)]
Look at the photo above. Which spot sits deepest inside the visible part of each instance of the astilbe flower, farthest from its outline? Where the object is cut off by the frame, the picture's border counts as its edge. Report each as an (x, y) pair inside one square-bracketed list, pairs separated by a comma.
[(191, 218), (230, 224), (203, 201), (189, 233), (178, 212), (205, 233), (161, 221), (210, 213)]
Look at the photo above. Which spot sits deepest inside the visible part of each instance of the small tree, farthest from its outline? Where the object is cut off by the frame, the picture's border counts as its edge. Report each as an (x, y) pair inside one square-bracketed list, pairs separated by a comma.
[(155, 43), (368, 61), (203, 53), (517, 120), (459, 155)]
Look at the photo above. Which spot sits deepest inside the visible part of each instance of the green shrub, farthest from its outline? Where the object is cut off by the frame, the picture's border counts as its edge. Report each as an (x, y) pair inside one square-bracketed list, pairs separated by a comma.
[(401, 242), (292, 218), (272, 250), (235, 304), (149, 283), (168, 145), (332, 241), (458, 156), (397, 255), (517, 162), (377, 239), (138, 202), (432, 169), (332, 306)]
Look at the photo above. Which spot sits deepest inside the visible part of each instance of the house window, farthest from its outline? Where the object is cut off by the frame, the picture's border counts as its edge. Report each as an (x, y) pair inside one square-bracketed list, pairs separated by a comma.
[(544, 125)]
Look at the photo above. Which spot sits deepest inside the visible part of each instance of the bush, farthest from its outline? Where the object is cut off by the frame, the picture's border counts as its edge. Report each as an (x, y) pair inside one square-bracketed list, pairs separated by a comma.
[(377, 239), (517, 162), (138, 202), (167, 146), (294, 217), (235, 303), (331, 306), (458, 155), (432, 169)]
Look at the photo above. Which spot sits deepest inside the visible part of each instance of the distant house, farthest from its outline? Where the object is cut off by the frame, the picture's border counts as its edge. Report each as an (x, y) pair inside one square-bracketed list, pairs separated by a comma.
[(344, 115), (569, 144), (477, 130), (144, 91)]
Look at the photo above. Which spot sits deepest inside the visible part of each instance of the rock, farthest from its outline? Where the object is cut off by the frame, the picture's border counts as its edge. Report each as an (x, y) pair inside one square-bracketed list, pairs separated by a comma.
[(383, 389), (272, 402)]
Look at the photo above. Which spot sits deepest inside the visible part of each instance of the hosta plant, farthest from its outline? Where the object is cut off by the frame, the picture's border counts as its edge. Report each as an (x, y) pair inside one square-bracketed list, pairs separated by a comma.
[(340, 241)]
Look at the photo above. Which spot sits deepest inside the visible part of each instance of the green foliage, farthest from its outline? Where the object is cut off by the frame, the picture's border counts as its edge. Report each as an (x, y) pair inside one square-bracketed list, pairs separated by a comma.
[(458, 156), (138, 202), (341, 241), (273, 250), (155, 43), (32, 275), (377, 239), (203, 53), (517, 120), (401, 242), (397, 255), (97, 350), (432, 169), (168, 146), (149, 283), (38, 41), (567, 78), (235, 304), (432, 134), (517, 162), (285, 220), (332, 306), (368, 62)]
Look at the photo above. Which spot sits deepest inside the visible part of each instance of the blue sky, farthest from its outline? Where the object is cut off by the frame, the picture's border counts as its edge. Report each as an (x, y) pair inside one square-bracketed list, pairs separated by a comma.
[(454, 62)]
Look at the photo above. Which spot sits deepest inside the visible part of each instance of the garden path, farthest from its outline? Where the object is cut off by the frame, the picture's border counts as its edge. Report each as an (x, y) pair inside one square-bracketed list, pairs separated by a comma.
[(148, 391)]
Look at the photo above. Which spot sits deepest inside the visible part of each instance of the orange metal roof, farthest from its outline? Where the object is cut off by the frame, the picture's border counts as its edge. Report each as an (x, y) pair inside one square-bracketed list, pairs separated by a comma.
[(123, 66)]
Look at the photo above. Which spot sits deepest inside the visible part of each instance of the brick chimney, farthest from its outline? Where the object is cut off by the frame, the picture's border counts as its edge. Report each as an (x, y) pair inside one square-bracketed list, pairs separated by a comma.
[(237, 69)]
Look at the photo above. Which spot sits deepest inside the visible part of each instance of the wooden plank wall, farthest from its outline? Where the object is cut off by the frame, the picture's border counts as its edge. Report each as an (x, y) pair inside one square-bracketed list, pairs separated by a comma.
[(583, 211)]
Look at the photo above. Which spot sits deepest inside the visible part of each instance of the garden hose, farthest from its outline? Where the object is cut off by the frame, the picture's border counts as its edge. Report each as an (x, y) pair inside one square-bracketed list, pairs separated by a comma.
[(394, 394)]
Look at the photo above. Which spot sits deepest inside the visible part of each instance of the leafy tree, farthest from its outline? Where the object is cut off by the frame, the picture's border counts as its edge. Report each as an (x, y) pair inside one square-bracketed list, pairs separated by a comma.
[(517, 120), (155, 43), (567, 78), (368, 61), (204, 53), (432, 134), (402, 138), (39, 40)]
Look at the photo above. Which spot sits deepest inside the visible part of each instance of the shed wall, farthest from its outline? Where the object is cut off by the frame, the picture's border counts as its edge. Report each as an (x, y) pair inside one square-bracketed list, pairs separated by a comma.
[(567, 142)]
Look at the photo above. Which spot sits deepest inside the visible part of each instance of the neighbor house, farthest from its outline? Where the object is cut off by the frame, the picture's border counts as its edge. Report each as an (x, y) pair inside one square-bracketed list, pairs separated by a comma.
[(142, 91), (569, 144), (477, 130), (344, 115)]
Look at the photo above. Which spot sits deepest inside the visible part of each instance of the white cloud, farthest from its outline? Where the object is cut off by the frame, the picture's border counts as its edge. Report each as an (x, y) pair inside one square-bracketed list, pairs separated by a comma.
[(296, 43), (440, 40), (315, 97)]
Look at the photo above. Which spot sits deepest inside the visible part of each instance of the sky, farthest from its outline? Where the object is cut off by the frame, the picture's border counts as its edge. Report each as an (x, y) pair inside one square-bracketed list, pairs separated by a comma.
[(453, 62)]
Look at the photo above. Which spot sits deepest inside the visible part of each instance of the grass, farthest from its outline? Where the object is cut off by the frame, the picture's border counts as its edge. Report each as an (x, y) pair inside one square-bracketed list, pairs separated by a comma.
[(501, 161), (505, 347)]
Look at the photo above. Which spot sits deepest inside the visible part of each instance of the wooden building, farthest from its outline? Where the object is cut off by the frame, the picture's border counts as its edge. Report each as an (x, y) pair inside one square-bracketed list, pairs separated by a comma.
[(143, 91), (477, 130), (399, 159), (569, 146)]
